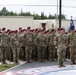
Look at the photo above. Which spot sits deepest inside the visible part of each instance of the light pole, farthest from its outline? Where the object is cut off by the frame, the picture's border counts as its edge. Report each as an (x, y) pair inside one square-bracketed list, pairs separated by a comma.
[(60, 8), (57, 15)]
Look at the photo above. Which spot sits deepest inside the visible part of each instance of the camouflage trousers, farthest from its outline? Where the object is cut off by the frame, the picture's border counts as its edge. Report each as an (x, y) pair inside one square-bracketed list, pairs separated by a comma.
[(0, 54), (8, 53), (22, 53), (51, 52), (41, 53), (3, 54), (34, 52), (15, 51), (73, 54), (47, 53), (61, 55), (28, 51)]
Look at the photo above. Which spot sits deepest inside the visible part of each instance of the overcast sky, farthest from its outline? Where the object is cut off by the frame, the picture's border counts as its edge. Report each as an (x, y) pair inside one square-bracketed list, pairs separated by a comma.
[(11, 5)]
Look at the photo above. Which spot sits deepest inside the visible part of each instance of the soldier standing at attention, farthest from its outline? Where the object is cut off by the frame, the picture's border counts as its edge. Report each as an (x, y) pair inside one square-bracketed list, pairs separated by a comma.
[(22, 45), (51, 45), (41, 46), (34, 51), (0, 45), (8, 52), (61, 43), (28, 39), (15, 46), (72, 44), (4, 45)]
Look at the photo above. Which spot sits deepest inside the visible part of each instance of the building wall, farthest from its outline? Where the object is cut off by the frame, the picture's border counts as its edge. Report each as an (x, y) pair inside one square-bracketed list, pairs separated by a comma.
[(52, 23), (14, 22), (38, 24)]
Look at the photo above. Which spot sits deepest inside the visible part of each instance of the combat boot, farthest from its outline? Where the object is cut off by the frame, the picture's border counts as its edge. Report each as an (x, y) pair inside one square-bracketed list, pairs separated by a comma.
[(72, 62), (62, 64)]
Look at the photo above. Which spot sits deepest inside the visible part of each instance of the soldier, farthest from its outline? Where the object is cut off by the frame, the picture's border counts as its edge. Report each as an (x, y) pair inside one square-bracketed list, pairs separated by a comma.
[(15, 46), (8, 52), (67, 49), (28, 39), (4, 45), (34, 51), (47, 45), (51, 45), (41, 46), (61, 43), (0, 45), (10, 34), (72, 44), (21, 45)]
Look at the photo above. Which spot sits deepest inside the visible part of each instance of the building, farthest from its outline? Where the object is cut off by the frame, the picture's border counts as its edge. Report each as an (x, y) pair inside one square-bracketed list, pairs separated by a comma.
[(14, 22), (52, 23)]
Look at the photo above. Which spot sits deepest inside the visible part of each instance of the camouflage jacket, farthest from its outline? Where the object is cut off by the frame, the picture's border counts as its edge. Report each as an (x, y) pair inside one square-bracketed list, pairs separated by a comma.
[(72, 39), (41, 40), (14, 42), (5, 40), (28, 38), (51, 39), (60, 41)]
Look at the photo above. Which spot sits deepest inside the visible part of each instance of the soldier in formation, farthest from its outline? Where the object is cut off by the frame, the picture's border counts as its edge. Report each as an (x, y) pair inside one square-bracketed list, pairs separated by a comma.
[(40, 45), (61, 43)]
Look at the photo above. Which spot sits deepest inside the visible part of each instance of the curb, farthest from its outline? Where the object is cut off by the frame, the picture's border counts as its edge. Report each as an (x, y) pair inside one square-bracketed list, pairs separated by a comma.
[(12, 68)]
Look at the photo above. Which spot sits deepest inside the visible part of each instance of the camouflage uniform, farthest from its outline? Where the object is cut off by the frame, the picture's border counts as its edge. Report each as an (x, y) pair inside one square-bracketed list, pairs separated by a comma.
[(0, 47), (61, 43), (47, 47), (8, 54), (72, 42), (28, 39), (4, 46), (51, 47), (34, 50), (22, 47), (15, 47), (41, 46)]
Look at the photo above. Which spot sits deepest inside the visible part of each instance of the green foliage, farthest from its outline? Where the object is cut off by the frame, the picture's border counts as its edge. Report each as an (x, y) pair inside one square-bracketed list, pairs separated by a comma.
[(6, 66), (5, 12)]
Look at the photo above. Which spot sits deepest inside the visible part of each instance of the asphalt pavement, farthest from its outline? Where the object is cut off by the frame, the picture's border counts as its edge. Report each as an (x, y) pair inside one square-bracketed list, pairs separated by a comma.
[(34, 64)]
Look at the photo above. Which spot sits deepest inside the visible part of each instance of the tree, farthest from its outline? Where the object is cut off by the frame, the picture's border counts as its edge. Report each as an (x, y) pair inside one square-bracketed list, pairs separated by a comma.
[(42, 15), (25, 14), (36, 16), (4, 11), (50, 17)]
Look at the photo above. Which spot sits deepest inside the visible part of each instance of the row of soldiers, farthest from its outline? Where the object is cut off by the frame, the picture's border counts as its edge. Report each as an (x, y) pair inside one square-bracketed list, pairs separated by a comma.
[(34, 44)]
